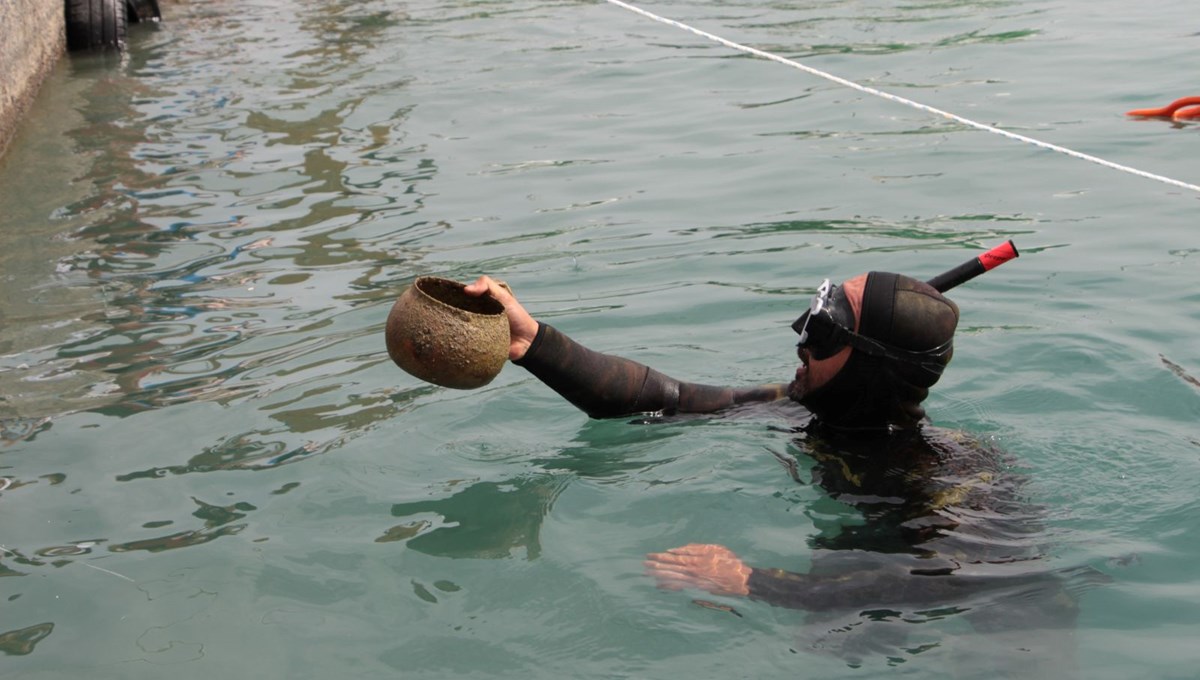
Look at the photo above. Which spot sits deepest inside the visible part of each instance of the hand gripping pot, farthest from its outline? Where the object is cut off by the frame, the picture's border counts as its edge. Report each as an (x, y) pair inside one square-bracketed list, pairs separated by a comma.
[(438, 333)]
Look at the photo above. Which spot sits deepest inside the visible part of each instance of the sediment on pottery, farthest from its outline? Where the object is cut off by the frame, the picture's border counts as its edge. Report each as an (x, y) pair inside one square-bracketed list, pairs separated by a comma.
[(440, 334)]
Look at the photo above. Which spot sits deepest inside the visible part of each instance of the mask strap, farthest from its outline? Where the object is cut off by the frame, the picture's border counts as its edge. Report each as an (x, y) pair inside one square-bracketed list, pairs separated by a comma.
[(878, 301), (871, 347)]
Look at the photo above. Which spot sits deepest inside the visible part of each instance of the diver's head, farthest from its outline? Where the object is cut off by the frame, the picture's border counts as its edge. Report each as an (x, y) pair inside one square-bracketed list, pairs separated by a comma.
[(872, 347)]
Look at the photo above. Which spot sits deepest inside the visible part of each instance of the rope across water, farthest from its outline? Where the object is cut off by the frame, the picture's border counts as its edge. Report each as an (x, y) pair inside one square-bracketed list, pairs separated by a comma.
[(901, 100)]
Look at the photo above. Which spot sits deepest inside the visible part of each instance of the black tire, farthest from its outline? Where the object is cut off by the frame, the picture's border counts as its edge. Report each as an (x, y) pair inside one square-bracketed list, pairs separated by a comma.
[(96, 24)]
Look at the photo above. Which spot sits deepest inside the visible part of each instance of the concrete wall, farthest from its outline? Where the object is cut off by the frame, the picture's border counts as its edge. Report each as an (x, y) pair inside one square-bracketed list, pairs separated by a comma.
[(32, 38)]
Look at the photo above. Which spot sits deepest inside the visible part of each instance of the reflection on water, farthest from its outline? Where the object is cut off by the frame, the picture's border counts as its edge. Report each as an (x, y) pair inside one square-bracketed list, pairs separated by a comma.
[(232, 229), (485, 519), (297, 195), (22, 641)]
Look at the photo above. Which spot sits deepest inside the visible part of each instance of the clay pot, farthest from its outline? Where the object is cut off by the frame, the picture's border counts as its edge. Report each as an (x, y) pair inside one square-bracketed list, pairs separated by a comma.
[(438, 333)]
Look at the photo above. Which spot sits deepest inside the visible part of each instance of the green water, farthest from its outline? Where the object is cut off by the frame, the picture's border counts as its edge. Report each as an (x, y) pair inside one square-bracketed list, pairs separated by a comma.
[(210, 468)]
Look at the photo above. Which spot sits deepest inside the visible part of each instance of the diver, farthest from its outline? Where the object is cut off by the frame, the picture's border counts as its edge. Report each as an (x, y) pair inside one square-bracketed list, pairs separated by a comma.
[(944, 518)]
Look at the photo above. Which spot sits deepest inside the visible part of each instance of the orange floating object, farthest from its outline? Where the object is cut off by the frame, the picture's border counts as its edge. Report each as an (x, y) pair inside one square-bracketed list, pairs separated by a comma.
[(1171, 110), (1187, 113)]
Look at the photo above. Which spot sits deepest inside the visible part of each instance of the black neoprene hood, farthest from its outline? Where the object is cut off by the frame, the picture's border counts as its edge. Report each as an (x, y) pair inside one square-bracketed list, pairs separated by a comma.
[(913, 325)]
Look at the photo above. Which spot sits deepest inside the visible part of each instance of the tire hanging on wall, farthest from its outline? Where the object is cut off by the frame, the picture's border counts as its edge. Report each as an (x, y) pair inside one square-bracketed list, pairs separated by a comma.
[(96, 24)]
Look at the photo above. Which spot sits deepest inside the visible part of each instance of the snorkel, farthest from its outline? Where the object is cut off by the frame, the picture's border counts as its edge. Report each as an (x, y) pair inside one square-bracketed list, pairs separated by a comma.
[(831, 312), (901, 332), (974, 267)]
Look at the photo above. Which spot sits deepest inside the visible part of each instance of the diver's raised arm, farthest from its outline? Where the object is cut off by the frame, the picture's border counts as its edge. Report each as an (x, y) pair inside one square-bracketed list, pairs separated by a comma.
[(607, 386), (603, 385)]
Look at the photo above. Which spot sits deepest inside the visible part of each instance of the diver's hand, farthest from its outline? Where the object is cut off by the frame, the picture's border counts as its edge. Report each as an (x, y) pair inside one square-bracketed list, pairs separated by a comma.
[(522, 328), (713, 568)]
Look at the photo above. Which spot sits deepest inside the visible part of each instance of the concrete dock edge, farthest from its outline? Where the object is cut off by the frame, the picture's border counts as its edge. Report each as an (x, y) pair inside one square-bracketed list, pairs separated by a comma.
[(32, 40)]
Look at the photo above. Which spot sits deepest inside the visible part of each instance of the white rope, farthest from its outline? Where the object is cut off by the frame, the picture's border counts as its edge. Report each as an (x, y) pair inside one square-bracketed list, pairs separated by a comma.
[(901, 100)]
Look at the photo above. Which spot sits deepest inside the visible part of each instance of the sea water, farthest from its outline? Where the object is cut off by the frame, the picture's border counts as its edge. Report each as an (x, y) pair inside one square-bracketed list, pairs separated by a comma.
[(210, 467)]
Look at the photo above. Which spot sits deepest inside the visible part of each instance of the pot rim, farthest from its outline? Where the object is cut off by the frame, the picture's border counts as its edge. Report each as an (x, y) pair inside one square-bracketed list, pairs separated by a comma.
[(439, 280)]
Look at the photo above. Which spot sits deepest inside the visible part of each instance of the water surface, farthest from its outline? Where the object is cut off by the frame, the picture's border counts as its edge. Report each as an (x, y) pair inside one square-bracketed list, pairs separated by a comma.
[(209, 465)]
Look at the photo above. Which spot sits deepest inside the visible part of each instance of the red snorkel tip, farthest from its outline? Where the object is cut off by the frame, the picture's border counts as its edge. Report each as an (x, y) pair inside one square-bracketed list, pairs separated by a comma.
[(999, 255), (974, 267)]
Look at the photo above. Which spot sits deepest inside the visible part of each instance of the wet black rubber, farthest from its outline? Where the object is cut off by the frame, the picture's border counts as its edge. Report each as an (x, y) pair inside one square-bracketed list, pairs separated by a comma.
[(96, 24)]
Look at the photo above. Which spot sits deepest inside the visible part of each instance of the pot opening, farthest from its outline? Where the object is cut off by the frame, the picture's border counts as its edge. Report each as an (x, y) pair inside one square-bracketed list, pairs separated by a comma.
[(451, 293)]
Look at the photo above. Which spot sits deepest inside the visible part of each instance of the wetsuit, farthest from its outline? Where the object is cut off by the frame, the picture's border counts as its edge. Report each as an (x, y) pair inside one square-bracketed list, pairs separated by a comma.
[(605, 386), (944, 517)]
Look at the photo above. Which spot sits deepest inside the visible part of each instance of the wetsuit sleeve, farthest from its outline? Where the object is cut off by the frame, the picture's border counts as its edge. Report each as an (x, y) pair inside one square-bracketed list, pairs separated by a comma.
[(860, 587), (829, 591), (782, 588), (606, 386)]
